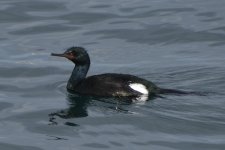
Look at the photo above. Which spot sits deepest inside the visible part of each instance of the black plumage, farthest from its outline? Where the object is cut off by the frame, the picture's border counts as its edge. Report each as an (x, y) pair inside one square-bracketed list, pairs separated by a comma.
[(109, 84)]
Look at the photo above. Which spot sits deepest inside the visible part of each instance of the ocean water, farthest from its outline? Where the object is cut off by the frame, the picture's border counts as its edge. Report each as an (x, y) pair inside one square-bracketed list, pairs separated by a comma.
[(175, 44)]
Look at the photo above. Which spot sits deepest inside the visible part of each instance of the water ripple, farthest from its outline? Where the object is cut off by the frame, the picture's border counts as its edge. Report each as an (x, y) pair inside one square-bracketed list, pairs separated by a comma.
[(175, 44), (161, 34)]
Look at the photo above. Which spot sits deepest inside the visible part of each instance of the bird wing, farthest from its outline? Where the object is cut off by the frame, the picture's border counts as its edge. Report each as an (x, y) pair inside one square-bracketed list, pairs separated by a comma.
[(106, 84)]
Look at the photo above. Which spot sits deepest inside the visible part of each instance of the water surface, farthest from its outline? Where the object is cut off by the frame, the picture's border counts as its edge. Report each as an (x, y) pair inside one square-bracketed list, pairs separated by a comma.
[(173, 43)]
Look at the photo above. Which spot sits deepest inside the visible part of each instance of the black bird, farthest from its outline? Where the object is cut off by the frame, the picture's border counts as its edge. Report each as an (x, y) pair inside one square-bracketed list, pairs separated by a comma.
[(109, 84)]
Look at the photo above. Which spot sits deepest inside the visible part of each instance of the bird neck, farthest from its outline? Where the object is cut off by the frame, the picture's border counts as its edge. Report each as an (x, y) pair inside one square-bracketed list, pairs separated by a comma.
[(79, 73)]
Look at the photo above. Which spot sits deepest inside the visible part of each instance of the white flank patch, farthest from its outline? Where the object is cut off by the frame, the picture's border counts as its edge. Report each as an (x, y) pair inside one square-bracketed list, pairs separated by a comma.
[(139, 87)]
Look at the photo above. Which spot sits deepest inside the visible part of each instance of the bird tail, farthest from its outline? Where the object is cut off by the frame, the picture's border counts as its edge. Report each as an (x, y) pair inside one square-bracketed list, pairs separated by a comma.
[(173, 91)]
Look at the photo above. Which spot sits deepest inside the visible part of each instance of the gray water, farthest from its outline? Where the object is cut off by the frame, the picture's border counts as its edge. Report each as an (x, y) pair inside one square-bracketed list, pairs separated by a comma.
[(175, 44)]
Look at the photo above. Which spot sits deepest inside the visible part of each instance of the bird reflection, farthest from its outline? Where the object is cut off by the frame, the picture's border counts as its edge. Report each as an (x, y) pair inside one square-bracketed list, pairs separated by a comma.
[(78, 107)]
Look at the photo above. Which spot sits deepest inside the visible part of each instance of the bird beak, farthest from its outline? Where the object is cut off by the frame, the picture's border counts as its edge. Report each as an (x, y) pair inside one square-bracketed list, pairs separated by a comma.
[(70, 57), (59, 55)]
